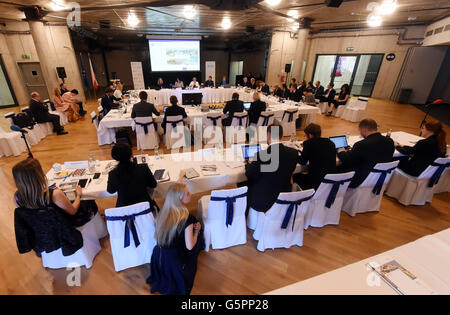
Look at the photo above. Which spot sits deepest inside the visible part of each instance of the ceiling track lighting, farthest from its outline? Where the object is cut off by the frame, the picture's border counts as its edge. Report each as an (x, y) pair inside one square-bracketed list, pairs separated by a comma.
[(226, 23)]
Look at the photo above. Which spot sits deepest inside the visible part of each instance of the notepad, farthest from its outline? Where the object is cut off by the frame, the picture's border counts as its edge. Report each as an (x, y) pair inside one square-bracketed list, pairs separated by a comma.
[(191, 173)]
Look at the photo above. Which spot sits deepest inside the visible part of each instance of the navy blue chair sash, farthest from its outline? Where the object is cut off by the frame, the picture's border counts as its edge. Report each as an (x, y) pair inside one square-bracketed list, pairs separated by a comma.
[(293, 206), (240, 118), (129, 227), (334, 190), (291, 115), (173, 123), (266, 119), (437, 174), (144, 125), (379, 185), (214, 119), (230, 206), (94, 118)]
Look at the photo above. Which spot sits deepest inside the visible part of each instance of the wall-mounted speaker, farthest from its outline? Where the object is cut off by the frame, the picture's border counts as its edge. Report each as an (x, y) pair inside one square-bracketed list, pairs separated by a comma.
[(333, 3), (61, 72), (287, 68)]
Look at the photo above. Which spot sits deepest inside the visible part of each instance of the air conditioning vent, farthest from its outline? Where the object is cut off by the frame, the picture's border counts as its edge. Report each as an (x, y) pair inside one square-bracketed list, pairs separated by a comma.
[(438, 30)]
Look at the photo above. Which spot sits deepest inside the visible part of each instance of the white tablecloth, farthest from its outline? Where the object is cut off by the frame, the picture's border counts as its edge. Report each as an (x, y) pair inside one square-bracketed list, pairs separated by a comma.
[(428, 259)]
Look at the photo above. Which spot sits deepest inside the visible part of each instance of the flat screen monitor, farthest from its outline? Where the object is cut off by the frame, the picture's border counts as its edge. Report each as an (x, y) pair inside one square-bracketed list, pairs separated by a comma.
[(192, 98)]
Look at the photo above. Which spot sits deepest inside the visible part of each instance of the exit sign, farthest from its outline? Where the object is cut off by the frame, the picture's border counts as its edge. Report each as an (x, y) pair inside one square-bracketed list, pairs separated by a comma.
[(25, 56), (350, 48)]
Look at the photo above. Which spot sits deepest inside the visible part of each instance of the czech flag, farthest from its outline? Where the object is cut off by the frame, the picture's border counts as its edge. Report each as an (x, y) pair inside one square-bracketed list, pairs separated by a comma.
[(93, 76)]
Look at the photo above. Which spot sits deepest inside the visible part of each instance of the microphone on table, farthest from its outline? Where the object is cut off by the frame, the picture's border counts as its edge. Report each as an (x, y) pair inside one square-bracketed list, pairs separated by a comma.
[(18, 129)]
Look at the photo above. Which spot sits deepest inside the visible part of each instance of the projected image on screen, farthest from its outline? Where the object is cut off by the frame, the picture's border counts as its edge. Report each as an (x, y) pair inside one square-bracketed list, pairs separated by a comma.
[(174, 55)]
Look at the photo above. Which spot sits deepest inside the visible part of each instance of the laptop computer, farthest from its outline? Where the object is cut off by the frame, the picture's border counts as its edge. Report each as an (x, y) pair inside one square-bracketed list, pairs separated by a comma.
[(339, 141), (249, 151), (247, 105)]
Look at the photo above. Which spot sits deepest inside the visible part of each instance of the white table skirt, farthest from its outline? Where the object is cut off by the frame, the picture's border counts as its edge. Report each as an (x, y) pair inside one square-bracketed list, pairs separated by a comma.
[(427, 258)]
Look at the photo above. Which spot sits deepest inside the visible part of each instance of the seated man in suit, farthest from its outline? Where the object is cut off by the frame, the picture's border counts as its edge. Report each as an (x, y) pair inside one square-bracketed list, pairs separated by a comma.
[(209, 82), (143, 109), (41, 114), (320, 155), (319, 90), (107, 101), (245, 82), (329, 94), (295, 94), (173, 110), (264, 88), (365, 154), (233, 106), (253, 84), (271, 171)]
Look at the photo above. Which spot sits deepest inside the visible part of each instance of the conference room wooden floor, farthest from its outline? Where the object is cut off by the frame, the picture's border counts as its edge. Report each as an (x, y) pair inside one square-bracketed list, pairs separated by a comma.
[(237, 270)]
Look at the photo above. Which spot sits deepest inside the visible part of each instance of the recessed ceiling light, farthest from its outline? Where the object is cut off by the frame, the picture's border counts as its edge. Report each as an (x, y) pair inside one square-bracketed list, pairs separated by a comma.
[(292, 13), (226, 23), (189, 11), (374, 20), (58, 5), (133, 21), (387, 7), (273, 2)]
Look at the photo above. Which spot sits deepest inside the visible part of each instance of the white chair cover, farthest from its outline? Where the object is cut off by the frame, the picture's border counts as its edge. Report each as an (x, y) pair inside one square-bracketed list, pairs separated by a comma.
[(149, 140), (235, 133), (326, 205), (367, 197), (216, 230), (11, 143), (91, 232), (104, 135), (276, 228), (212, 129), (409, 190), (33, 136), (444, 183), (341, 109), (288, 121), (323, 106), (354, 112), (63, 120), (175, 136), (132, 235)]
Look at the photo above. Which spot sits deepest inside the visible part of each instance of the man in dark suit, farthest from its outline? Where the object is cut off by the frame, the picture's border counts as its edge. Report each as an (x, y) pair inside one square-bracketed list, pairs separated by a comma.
[(319, 91), (264, 88), (320, 153), (329, 94), (107, 101), (41, 115), (271, 172), (366, 153), (295, 94), (245, 82), (209, 82), (143, 109), (233, 106)]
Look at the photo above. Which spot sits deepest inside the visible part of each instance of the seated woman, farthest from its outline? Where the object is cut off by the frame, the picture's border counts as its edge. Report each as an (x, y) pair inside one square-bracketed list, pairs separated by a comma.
[(129, 180), (118, 92), (33, 193), (70, 98), (256, 108), (71, 109), (342, 99), (179, 240), (179, 84), (425, 151), (173, 110)]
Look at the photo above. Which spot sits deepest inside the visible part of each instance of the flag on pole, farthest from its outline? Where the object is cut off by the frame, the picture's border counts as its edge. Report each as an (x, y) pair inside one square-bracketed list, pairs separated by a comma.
[(94, 77), (83, 73)]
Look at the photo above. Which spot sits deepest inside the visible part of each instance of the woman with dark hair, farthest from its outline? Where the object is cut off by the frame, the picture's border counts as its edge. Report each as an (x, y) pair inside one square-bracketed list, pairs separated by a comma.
[(342, 99), (173, 110), (129, 180), (425, 151)]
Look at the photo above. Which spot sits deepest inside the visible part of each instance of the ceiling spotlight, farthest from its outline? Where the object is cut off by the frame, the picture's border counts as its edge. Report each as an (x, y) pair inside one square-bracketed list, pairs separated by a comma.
[(294, 15), (189, 11), (58, 5), (273, 3), (226, 23), (295, 26), (133, 21), (387, 7), (374, 20)]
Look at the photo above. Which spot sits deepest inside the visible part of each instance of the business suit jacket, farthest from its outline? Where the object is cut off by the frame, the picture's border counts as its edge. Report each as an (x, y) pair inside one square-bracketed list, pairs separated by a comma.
[(173, 111), (264, 187), (422, 155), (39, 111), (256, 108), (265, 89), (296, 96), (362, 158), (143, 109), (209, 83), (231, 107), (320, 153), (331, 95), (107, 104), (319, 92)]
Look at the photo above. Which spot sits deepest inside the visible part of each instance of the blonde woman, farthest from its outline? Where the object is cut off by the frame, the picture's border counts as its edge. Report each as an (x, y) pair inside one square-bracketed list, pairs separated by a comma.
[(118, 91), (179, 241), (70, 109)]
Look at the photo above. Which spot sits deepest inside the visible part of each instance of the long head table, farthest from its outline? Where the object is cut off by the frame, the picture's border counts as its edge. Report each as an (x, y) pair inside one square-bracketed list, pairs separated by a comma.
[(427, 258)]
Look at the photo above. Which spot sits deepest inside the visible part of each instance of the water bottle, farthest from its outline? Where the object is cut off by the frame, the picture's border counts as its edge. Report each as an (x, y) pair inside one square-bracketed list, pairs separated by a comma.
[(91, 163), (156, 152)]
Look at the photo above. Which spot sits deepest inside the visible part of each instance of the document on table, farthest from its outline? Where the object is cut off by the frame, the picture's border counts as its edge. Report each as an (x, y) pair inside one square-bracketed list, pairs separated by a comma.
[(402, 280)]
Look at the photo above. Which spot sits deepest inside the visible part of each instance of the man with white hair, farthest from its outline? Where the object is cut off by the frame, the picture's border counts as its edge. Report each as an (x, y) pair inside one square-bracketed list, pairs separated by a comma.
[(41, 114)]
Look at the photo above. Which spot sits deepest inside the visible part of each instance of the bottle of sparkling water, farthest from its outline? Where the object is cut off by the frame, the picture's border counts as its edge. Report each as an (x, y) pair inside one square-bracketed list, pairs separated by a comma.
[(91, 163)]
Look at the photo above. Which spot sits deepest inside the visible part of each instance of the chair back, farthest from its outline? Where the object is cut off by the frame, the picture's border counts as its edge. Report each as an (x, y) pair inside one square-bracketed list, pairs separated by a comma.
[(212, 119), (144, 125), (333, 187), (146, 135), (380, 176), (435, 171), (227, 204), (290, 115), (240, 119), (362, 102), (131, 231), (94, 119), (265, 119), (175, 136)]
